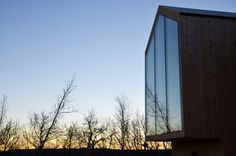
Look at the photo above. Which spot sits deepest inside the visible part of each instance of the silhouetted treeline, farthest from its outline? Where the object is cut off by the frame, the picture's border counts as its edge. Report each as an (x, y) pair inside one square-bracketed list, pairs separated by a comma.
[(125, 130)]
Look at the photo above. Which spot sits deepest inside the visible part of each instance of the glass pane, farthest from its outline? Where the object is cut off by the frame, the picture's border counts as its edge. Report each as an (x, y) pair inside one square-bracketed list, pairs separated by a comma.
[(160, 77), (149, 89), (173, 77)]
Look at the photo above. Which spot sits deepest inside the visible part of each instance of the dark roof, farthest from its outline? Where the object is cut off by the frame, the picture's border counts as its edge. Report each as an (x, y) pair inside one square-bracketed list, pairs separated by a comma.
[(199, 12)]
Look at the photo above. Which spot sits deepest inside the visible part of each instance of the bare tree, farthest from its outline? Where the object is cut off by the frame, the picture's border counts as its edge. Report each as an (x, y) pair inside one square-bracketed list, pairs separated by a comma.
[(81, 138), (9, 130), (93, 130), (3, 110), (122, 117), (137, 131), (74, 137), (44, 126), (10, 137), (111, 134), (69, 139), (39, 124)]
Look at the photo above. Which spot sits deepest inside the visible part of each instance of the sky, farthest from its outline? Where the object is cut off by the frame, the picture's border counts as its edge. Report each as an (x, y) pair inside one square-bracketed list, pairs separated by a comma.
[(44, 43)]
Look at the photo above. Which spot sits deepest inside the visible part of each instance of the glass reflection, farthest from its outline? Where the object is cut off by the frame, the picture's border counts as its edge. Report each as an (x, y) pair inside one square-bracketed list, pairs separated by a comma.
[(149, 89), (160, 78), (173, 78)]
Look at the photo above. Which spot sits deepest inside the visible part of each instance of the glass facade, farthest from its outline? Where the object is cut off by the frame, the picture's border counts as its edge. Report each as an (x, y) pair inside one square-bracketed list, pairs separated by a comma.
[(162, 84), (150, 87), (160, 76), (172, 75)]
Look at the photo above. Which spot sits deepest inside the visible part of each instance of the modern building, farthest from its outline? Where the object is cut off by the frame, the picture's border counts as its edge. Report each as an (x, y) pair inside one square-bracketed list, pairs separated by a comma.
[(190, 81)]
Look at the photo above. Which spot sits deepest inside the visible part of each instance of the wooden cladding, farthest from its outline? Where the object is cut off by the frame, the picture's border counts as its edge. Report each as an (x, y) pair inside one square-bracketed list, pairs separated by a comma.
[(208, 49)]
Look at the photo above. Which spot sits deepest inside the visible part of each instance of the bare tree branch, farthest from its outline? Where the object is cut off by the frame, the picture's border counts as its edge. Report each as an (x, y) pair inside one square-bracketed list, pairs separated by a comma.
[(9, 130), (2, 109), (122, 117), (44, 126), (93, 130)]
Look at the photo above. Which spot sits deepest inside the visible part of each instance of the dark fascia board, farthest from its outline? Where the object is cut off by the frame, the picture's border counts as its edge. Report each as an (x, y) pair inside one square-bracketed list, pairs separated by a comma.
[(175, 12), (176, 136), (196, 12), (166, 136)]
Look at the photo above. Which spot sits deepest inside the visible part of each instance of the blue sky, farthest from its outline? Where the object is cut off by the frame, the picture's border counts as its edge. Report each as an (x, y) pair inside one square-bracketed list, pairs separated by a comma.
[(43, 43)]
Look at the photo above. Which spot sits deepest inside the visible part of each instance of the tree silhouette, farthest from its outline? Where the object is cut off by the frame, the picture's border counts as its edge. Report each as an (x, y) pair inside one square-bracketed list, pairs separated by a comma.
[(70, 140), (122, 117), (137, 131), (93, 130), (44, 126), (9, 129), (123, 131)]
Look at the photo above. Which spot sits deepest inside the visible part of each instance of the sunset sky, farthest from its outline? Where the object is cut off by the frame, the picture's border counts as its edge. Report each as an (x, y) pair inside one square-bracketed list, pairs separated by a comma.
[(43, 43)]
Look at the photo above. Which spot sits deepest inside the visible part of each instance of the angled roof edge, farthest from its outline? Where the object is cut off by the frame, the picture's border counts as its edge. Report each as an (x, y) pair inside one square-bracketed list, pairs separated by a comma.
[(177, 10)]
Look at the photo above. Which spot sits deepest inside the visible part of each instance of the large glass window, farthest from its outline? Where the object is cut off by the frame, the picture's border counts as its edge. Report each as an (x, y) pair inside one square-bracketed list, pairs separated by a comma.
[(162, 87), (160, 77), (149, 89), (173, 77)]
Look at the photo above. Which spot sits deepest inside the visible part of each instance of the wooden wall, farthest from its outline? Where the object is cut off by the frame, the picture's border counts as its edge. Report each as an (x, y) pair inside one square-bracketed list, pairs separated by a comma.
[(208, 57)]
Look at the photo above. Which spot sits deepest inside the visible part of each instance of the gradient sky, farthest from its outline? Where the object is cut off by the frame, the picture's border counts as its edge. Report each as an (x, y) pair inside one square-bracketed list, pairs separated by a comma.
[(43, 43)]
